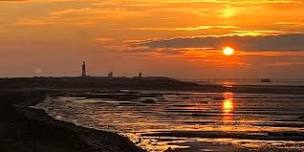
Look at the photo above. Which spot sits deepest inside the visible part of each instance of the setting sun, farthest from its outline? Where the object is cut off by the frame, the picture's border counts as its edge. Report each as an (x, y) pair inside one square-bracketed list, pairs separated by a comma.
[(228, 51)]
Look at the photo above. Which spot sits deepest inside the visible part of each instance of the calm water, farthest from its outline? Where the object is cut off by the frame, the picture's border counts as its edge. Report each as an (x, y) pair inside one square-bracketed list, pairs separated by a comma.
[(191, 121), (232, 82)]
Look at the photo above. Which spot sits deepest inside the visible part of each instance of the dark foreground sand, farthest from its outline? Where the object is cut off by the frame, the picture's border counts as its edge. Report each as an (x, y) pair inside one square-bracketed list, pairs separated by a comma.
[(28, 130)]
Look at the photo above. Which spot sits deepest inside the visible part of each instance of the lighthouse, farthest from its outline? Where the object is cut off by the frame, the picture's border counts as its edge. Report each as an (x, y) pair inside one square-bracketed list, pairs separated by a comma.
[(84, 73)]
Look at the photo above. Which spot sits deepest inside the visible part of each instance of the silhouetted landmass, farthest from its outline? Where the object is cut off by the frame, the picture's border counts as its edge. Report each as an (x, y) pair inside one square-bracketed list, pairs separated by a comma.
[(136, 83), (95, 82)]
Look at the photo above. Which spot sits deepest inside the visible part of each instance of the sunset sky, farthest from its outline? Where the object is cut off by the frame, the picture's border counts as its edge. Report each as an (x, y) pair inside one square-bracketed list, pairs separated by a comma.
[(176, 38)]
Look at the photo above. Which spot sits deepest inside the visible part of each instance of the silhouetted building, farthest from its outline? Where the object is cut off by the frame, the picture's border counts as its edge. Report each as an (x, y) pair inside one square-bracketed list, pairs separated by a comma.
[(140, 75), (84, 72), (110, 75)]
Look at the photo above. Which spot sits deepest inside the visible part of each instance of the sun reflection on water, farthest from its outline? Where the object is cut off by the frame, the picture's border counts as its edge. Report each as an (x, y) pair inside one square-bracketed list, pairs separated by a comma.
[(228, 103), (228, 106), (227, 110)]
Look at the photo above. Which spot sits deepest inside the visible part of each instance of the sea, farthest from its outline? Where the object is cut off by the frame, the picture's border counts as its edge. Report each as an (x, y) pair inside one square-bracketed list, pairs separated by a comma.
[(250, 82), (191, 121)]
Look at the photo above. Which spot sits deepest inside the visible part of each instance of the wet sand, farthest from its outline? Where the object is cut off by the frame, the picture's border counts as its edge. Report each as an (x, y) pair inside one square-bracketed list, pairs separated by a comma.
[(189, 121), (25, 129)]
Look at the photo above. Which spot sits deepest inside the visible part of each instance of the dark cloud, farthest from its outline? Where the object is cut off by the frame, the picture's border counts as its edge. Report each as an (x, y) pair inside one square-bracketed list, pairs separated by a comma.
[(287, 42)]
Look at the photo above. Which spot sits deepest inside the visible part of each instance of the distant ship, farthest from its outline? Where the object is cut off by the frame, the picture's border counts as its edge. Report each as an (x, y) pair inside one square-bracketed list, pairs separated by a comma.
[(265, 80)]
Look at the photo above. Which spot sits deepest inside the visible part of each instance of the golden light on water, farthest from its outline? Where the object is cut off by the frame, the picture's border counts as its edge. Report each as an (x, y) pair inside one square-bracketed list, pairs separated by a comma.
[(227, 110), (228, 106), (228, 51)]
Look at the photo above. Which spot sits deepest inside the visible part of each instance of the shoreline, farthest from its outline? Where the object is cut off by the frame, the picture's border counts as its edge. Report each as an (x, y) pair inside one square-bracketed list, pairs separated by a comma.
[(35, 130)]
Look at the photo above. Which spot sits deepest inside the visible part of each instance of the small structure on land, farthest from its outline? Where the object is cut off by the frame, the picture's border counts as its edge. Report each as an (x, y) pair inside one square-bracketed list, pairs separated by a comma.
[(83, 72), (110, 75), (140, 75), (266, 80)]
